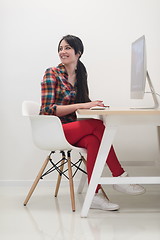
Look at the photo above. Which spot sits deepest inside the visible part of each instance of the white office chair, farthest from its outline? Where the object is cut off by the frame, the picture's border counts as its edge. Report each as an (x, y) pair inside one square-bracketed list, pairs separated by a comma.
[(47, 133)]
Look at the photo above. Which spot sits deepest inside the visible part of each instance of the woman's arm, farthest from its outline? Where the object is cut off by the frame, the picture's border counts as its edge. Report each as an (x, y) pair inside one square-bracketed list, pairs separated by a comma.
[(49, 107), (62, 110), (48, 86)]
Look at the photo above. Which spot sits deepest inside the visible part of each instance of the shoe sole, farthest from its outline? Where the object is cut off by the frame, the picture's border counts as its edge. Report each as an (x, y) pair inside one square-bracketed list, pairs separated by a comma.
[(109, 209), (134, 194)]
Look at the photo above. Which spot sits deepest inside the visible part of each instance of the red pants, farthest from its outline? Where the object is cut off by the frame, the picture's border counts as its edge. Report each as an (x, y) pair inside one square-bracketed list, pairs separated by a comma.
[(88, 134)]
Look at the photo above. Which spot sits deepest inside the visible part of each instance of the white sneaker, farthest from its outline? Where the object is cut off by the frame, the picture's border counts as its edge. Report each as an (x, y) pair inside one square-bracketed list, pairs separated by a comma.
[(133, 189), (102, 203)]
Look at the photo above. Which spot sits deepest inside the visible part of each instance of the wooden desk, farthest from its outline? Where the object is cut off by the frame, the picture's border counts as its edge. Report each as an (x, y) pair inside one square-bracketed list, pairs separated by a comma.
[(114, 118)]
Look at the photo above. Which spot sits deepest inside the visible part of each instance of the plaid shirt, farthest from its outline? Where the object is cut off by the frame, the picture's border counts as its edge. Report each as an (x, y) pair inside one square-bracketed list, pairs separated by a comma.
[(56, 90)]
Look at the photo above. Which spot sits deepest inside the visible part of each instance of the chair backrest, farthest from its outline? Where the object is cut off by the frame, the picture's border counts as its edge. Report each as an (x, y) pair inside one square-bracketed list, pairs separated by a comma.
[(47, 130), (48, 133), (30, 108)]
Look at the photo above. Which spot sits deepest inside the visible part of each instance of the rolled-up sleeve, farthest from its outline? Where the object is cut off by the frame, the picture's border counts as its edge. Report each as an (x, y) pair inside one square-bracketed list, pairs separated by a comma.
[(48, 92)]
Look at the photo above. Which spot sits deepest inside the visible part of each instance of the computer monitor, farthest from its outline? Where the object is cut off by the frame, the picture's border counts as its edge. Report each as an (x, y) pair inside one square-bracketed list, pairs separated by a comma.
[(139, 72)]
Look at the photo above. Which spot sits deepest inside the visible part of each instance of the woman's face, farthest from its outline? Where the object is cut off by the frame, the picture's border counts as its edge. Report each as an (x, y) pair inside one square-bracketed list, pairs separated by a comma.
[(67, 54)]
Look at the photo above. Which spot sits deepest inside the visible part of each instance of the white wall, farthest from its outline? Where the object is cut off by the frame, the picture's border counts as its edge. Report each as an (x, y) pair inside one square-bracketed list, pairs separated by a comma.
[(30, 31)]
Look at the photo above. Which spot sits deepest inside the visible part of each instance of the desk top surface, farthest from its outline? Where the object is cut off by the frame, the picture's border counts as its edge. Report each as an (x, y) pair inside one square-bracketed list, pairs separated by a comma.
[(119, 111)]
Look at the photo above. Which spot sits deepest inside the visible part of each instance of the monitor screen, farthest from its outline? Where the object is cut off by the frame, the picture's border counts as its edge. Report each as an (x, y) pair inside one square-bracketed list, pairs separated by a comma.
[(138, 68)]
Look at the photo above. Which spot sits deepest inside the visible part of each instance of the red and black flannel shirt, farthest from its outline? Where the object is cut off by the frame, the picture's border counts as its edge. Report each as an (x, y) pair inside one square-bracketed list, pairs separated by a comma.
[(56, 90)]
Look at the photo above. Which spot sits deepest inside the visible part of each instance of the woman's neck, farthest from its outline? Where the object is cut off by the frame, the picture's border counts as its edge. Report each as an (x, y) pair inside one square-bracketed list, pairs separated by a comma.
[(71, 73), (70, 68)]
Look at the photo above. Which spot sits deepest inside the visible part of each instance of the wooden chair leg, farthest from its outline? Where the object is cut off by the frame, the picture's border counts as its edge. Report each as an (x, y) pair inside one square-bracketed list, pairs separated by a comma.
[(71, 182), (83, 178), (59, 178), (104, 193), (36, 180), (82, 182), (84, 160)]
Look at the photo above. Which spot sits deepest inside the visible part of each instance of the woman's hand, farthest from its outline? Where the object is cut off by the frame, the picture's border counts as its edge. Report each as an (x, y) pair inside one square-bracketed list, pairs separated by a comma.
[(63, 110), (92, 104)]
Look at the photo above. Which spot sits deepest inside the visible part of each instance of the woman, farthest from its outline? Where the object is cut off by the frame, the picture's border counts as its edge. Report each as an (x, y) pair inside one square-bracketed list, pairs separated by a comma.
[(64, 90)]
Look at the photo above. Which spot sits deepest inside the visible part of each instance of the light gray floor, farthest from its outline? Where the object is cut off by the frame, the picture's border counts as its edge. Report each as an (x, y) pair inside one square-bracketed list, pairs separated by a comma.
[(46, 217)]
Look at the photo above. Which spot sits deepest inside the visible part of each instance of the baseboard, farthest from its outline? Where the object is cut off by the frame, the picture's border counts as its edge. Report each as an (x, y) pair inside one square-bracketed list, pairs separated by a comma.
[(28, 183), (139, 163)]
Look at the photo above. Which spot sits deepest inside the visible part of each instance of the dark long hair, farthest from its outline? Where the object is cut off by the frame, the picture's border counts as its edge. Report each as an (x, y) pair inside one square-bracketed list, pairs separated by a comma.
[(81, 73)]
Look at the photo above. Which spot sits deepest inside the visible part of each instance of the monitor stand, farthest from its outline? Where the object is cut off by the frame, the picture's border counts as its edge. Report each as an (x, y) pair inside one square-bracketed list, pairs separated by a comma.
[(154, 96), (156, 103)]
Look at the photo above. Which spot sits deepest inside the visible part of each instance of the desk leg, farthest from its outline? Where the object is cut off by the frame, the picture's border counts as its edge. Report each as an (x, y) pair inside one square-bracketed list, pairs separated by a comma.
[(104, 149)]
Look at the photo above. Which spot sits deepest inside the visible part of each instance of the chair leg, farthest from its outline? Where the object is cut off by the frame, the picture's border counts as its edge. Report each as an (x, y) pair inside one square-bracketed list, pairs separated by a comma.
[(59, 178), (104, 193), (83, 178), (84, 160), (71, 182), (36, 180), (82, 182)]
